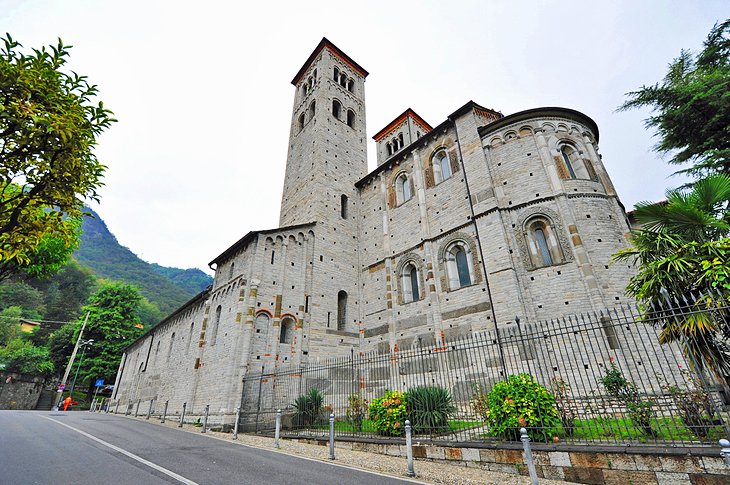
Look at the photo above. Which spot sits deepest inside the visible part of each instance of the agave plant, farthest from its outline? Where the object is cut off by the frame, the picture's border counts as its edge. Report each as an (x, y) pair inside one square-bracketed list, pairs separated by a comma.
[(308, 407), (429, 408)]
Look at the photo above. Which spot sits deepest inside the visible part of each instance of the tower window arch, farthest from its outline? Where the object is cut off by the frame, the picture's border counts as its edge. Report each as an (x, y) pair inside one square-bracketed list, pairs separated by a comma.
[(350, 118), (350, 85), (336, 76), (400, 140), (341, 310), (410, 283), (403, 188), (343, 206), (459, 265), (216, 323), (336, 108), (441, 166), (286, 333), (343, 79), (543, 246), (573, 165), (312, 109), (389, 148), (301, 122)]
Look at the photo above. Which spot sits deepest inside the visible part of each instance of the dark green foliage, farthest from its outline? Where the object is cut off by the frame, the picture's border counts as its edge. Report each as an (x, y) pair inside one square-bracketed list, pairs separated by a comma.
[(309, 407), (429, 409), (565, 405), (191, 279), (60, 344), (101, 252), (693, 406), (20, 355), (692, 106), (520, 402), (640, 410), (18, 293), (66, 292)]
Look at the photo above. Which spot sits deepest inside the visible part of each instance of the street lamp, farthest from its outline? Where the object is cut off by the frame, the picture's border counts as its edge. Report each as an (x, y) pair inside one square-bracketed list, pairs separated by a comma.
[(83, 345)]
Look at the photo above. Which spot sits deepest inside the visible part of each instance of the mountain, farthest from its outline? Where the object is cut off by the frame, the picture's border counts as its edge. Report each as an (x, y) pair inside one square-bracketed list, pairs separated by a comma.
[(168, 288)]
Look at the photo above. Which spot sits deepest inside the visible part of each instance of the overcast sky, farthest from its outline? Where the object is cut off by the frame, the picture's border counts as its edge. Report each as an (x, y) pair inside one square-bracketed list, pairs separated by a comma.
[(203, 96)]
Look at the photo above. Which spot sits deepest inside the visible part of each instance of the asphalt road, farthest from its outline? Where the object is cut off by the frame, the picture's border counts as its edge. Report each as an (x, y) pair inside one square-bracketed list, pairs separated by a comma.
[(41, 447)]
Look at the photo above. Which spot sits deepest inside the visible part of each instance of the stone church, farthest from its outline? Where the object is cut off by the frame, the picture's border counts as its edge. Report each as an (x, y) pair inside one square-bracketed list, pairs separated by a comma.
[(463, 226)]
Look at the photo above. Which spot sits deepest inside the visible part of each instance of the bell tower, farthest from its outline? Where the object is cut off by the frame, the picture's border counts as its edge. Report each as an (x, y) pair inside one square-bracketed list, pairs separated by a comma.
[(327, 147), (327, 156)]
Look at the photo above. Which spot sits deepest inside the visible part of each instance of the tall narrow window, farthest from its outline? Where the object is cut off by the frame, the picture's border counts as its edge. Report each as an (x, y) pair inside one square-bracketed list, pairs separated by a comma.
[(459, 265), (341, 310), (568, 157), (351, 85), (400, 140), (336, 108), (410, 283), (273, 253), (336, 77), (301, 122), (216, 322), (403, 189), (312, 108), (343, 79), (543, 246), (462, 266), (343, 206), (231, 270), (441, 166), (389, 148), (286, 333), (350, 118)]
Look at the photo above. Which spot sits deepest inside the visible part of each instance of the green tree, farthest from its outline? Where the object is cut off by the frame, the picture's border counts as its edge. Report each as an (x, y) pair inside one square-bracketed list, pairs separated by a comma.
[(691, 107), (49, 125), (16, 292), (20, 355), (10, 324), (113, 324), (60, 345)]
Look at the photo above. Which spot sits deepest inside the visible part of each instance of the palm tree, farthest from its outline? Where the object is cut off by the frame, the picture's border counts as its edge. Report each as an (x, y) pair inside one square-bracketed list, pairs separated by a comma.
[(682, 252)]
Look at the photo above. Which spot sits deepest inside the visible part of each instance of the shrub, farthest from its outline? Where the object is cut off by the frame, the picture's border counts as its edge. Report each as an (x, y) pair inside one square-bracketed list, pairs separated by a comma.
[(640, 411), (429, 408), (564, 404), (388, 413), (521, 402), (694, 407), (357, 408), (308, 407)]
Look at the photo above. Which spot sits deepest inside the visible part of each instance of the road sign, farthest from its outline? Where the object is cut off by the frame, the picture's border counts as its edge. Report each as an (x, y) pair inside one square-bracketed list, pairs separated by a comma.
[(61, 387), (99, 383)]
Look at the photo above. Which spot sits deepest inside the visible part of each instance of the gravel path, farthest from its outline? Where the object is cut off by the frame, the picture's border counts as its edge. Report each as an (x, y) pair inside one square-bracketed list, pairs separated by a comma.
[(426, 471)]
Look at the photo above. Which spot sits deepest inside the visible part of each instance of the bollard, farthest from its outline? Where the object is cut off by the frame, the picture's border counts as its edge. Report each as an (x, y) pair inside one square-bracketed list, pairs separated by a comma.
[(528, 456), (409, 450), (278, 429), (205, 418), (332, 436), (235, 426), (116, 409), (129, 409), (149, 410), (182, 416), (136, 409), (725, 451), (164, 412)]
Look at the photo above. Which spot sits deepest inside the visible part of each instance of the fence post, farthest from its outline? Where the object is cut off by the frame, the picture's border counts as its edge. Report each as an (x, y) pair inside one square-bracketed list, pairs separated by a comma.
[(235, 426), (182, 416), (528, 456), (332, 436), (164, 412), (136, 409), (725, 451), (278, 429), (205, 418), (129, 408), (149, 411), (116, 408), (409, 450)]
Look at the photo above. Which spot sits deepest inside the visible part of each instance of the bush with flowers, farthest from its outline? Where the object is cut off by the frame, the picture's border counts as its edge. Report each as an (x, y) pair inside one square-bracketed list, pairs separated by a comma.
[(388, 413), (520, 402)]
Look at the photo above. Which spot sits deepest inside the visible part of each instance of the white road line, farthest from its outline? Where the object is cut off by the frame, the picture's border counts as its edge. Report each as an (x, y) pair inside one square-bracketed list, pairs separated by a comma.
[(124, 452)]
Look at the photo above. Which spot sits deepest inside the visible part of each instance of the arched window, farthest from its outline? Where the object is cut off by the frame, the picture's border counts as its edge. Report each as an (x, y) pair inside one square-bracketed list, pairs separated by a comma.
[(343, 206), (341, 310), (542, 243), (301, 122), (262, 323), (568, 158), (350, 118), (400, 140), (350, 85), (172, 343), (287, 331), (310, 81), (403, 191), (216, 322), (389, 148), (314, 75), (231, 270), (441, 166), (410, 283), (459, 265), (336, 108), (336, 77), (343, 80), (305, 88), (312, 108)]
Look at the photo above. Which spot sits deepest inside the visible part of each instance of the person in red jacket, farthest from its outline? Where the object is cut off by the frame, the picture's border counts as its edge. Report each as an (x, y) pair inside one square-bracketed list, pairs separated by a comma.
[(66, 403)]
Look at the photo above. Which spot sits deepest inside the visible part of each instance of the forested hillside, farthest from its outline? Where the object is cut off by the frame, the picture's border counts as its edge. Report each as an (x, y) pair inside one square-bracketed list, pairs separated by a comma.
[(167, 288)]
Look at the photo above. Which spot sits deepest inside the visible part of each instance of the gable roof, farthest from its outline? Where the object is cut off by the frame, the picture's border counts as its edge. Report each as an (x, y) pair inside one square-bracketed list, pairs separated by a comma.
[(325, 43)]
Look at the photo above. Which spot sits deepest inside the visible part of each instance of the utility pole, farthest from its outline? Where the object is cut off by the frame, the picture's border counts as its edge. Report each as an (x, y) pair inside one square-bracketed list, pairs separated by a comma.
[(61, 387)]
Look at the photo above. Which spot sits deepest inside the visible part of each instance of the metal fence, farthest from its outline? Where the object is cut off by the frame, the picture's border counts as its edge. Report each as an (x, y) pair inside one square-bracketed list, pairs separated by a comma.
[(599, 377)]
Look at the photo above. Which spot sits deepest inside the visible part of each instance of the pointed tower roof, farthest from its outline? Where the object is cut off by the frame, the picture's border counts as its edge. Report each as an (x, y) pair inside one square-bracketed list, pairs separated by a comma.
[(326, 44)]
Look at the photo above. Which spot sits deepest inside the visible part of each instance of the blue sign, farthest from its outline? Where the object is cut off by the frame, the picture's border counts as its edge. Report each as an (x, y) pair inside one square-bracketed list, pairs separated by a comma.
[(99, 383)]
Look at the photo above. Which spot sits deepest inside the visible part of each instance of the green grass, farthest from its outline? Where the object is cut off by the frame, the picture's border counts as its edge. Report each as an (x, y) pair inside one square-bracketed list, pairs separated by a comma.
[(667, 429), (369, 427)]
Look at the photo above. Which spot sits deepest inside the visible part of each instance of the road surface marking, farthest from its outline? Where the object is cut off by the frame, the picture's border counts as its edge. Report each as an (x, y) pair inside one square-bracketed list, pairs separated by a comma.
[(124, 452)]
